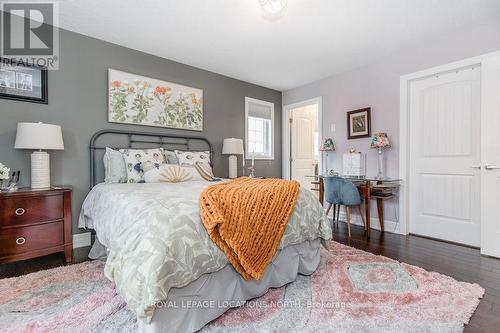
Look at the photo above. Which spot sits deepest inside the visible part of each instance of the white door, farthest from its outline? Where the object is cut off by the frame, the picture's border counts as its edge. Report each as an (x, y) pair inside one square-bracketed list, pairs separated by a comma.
[(445, 156), (490, 180), (304, 158)]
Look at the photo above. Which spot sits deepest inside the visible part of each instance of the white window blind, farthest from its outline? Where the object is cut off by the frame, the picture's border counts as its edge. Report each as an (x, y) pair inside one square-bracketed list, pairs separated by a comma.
[(259, 118)]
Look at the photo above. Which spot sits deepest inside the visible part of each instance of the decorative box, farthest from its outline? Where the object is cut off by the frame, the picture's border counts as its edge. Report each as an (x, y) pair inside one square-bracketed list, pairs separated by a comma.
[(354, 164)]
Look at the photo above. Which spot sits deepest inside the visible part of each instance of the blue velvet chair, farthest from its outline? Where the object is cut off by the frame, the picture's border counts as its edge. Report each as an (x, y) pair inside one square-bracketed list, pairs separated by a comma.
[(342, 192)]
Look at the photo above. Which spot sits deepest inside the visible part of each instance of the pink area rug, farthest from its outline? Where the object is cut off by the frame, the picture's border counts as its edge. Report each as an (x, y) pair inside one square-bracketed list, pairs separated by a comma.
[(352, 291)]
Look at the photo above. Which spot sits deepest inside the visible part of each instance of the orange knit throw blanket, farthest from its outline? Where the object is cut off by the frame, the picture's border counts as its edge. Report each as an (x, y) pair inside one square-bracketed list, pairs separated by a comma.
[(246, 218)]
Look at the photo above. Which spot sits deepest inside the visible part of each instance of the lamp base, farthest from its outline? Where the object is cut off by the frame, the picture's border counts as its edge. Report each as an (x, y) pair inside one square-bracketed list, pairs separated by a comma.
[(380, 174), (40, 170), (233, 165)]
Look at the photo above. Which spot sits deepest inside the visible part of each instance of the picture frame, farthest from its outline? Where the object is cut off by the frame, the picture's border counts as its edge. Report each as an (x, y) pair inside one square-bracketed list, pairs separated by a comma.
[(359, 124), (140, 100), (23, 82)]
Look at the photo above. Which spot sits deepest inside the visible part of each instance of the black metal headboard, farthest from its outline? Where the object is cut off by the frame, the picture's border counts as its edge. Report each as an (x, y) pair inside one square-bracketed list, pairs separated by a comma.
[(122, 139)]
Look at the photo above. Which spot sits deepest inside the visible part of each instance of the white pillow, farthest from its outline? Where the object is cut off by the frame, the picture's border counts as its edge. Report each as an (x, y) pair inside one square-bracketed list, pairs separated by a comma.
[(192, 157), (138, 161), (153, 175), (115, 170)]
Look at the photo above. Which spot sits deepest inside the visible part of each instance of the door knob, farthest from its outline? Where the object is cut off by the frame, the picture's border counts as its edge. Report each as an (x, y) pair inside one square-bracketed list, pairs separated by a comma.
[(476, 166), (491, 167)]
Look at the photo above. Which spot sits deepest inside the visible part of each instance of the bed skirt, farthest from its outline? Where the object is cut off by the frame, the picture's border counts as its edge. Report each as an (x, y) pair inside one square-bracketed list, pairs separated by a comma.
[(190, 308)]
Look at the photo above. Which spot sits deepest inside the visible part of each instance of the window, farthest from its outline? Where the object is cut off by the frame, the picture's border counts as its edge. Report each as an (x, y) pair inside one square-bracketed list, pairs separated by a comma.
[(259, 124)]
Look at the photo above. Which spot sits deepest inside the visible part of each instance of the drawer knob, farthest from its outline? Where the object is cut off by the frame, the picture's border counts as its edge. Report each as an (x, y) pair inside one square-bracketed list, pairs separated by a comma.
[(20, 241), (20, 211)]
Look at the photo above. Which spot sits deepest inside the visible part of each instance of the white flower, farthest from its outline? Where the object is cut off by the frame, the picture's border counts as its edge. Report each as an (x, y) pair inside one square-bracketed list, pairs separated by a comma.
[(4, 172)]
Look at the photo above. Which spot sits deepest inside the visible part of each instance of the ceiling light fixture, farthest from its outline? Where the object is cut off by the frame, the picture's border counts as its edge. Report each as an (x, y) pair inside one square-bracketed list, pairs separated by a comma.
[(274, 8)]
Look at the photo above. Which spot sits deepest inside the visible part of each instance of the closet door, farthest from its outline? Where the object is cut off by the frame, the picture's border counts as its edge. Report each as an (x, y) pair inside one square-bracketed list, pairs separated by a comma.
[(490, 138), (445, 156)]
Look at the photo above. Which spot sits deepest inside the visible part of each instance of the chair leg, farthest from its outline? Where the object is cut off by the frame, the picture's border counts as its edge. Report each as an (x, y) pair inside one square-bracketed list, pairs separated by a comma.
[(348, 218), (338, 214), (328, 209), (362, 217), (334, 212)]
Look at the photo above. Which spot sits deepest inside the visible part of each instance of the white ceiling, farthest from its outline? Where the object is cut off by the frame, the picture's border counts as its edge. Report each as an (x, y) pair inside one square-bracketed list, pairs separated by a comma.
[(313, 40)]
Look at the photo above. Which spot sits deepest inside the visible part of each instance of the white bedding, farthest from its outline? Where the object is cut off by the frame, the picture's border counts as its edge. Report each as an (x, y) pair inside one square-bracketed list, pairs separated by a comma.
[(156, 240)]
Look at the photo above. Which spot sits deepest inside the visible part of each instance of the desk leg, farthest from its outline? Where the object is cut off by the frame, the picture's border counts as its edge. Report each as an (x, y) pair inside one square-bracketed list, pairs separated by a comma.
[(380, 208), (367, 209), (321, 191)]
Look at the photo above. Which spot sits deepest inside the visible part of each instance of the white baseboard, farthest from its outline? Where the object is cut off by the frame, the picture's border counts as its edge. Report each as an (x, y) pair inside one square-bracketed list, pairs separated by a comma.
[(389, 226), (81, 240)]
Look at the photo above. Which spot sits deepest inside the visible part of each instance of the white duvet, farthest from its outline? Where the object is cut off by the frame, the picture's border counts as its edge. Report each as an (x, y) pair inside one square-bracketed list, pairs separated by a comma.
[(156, 240)]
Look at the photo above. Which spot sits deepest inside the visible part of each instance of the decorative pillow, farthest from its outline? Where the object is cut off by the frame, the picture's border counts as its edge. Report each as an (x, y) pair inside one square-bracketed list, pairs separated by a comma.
[(171, 173), (138, 161), (115, 170), (205, 171), (170, 157), (191, 157)]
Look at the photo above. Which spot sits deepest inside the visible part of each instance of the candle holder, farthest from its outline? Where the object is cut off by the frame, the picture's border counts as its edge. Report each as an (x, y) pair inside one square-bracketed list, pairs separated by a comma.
[(252, 172)]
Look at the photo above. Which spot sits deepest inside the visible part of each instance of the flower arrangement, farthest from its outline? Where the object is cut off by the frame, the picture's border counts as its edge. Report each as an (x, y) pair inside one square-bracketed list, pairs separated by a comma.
[(380, 141), (4, 172), (327, 145)]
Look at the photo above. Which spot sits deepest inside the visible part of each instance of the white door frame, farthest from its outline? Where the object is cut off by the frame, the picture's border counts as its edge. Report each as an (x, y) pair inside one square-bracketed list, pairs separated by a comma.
[(404, 128), (286, 130)]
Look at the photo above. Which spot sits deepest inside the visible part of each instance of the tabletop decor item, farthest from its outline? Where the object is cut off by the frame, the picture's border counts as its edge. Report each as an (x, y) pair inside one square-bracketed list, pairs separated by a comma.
[(233, 147), (359, 124), (354, 164), (22, 82), (326, 147), (380, 141), (252, 167), (140, 100), (38, 136), (4, 177)]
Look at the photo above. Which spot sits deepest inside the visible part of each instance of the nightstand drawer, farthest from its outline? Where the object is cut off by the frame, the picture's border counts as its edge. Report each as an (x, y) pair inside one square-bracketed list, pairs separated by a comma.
[(24, 239), (28, 210)]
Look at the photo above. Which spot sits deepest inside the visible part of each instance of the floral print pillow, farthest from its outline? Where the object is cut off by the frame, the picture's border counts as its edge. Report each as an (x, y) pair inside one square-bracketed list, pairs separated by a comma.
[(138, 161), (192, 157)]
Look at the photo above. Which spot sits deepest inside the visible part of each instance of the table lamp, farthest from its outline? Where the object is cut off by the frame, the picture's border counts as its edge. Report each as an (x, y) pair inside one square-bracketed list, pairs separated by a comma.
[(327, 146), (39, 136), (233, 147), (380, 141)]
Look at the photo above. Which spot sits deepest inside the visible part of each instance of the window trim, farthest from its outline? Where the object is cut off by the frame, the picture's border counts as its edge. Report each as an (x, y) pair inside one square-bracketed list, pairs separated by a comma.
[(248, 155)]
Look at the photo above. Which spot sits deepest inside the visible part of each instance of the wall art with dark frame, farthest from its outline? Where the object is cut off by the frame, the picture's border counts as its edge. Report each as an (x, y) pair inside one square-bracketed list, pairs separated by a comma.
[(359, 124), (23, 82)]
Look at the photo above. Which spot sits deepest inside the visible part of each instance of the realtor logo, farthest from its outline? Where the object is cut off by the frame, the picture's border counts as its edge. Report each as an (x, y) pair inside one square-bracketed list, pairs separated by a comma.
[(29, 33)]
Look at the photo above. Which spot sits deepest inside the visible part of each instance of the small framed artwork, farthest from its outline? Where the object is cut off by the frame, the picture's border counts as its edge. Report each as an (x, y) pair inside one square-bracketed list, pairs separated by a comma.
[(359, 124), (21, 82)]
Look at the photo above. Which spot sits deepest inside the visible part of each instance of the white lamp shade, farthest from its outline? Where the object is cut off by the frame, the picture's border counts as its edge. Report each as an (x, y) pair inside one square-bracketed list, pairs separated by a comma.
[(232, 146), (39, 136)]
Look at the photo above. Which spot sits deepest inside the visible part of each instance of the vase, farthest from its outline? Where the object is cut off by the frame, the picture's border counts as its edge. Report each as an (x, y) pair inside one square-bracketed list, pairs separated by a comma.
[(4, 184), (380, 174)]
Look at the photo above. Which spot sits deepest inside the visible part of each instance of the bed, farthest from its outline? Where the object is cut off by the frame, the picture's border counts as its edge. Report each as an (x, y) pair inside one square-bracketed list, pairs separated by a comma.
[(159, 254)]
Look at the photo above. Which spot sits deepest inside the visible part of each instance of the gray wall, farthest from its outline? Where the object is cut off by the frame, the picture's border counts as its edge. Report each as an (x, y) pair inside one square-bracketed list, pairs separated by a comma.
[(78, 102), (377, 86)]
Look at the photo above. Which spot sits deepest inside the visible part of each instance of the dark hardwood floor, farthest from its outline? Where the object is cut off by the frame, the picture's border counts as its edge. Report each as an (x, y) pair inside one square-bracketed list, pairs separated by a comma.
[(459, 262), (37, 264)]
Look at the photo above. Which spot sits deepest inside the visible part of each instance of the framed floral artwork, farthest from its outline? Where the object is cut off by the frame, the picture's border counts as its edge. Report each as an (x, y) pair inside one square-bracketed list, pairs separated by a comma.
[(359, 124), (140, 100)]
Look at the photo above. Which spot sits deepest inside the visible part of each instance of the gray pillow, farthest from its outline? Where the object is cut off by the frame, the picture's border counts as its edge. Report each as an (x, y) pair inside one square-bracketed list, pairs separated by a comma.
[(115, 170), (170, 157)]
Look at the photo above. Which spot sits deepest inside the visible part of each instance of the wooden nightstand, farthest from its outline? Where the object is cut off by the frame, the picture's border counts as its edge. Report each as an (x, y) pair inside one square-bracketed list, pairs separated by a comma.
[(35, 223)]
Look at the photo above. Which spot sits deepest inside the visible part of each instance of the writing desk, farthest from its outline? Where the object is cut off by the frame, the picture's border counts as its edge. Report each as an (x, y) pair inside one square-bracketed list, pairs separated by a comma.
[(369, 188)]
